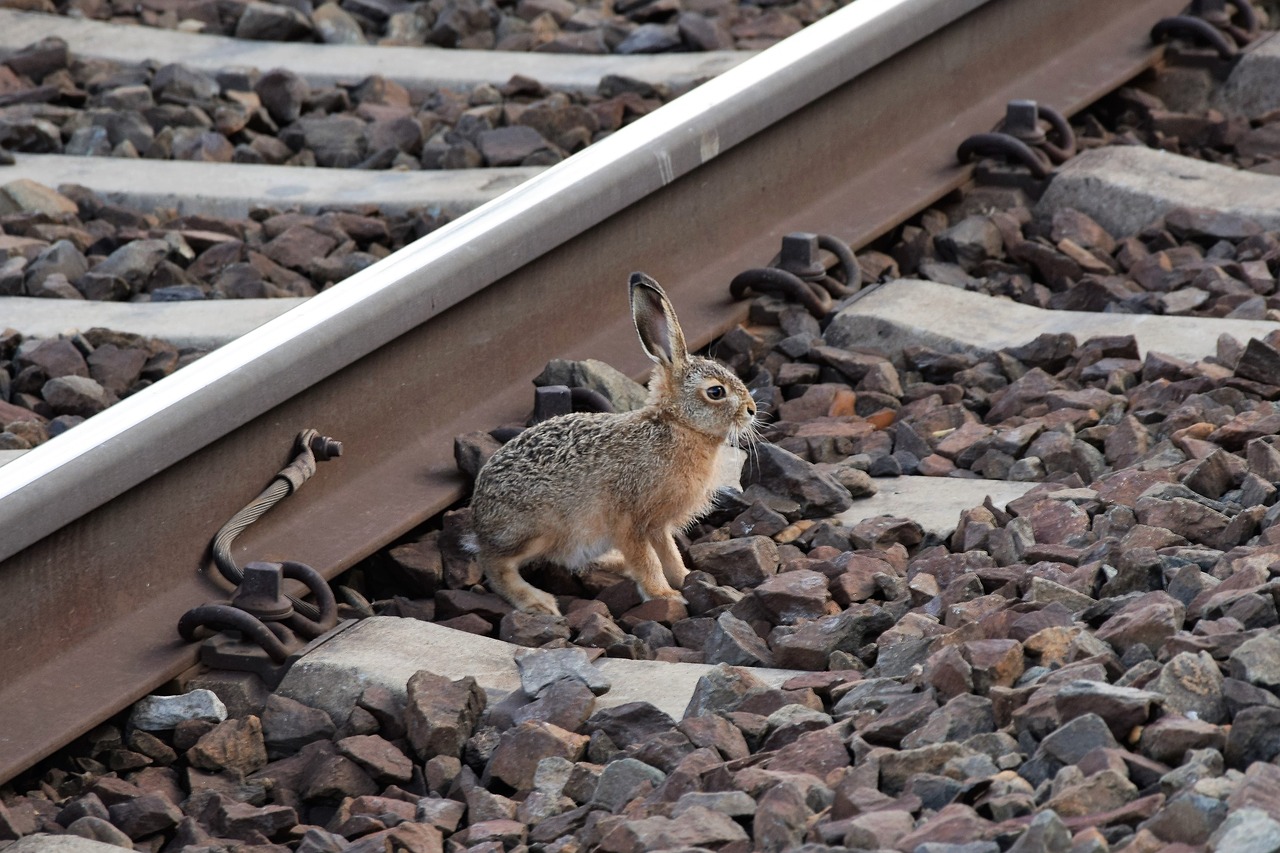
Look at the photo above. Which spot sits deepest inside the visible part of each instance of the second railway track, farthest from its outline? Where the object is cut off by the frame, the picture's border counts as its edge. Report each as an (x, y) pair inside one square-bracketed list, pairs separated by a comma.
[(848, 128)]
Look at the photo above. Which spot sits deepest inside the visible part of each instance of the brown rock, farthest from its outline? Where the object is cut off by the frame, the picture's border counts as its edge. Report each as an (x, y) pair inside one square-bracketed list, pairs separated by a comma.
[(811, 645), (994, 663), (1101, 792), (247, 822), (442, 714), (696, 827), (521, 748), (1148, 620), (1123, 708), (298, 246), (235, 745), (795, 596), (1169, 738), (378, 757), (737, 563), (733, 641), (781, 819), (952, 824), (146, 815)]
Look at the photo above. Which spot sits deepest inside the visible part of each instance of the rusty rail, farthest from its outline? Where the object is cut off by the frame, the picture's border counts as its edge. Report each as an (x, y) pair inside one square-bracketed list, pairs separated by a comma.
[(104, 533)]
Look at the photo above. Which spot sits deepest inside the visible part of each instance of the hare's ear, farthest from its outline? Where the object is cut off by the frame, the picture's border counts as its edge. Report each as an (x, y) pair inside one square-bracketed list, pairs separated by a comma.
[(656, 322)]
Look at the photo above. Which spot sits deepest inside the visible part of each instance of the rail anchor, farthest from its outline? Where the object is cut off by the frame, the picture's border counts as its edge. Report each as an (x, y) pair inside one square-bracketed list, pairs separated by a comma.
[(265, 628), (1021, 138), (812, 269)]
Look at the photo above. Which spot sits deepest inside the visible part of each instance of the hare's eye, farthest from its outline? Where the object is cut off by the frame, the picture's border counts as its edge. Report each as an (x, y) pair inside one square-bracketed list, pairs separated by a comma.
[(715, 392)]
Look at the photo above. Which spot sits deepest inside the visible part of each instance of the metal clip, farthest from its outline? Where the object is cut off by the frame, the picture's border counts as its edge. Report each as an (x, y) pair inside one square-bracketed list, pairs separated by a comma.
[(1209, 23), (268, 631), (1021, 138), (270, 625), (801, 274)]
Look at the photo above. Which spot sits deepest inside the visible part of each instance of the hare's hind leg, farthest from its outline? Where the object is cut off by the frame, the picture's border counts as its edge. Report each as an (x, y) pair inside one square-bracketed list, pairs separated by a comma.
[(645, 568), (504, 578)]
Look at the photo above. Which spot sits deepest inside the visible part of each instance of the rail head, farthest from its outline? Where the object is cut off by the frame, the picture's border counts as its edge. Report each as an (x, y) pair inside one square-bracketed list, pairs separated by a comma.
[(116, 450)]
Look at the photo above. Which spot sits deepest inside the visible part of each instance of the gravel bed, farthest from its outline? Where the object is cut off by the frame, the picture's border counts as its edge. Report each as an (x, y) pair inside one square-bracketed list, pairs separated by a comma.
[(74, 245), (1186, 125), (52, 102), (70, 243), (1192, 262), (48, 385), (1093, 667), (550, 26)]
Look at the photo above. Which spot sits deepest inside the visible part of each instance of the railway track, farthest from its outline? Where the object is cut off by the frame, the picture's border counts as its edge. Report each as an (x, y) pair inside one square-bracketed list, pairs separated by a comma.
[(736, 156)]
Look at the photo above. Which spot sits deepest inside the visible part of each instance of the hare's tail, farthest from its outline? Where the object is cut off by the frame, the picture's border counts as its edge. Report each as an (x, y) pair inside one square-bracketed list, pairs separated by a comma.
[(470, 543)]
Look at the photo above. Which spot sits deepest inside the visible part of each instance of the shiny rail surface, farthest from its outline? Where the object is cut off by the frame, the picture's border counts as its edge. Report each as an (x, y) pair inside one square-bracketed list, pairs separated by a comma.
[(846, 128)]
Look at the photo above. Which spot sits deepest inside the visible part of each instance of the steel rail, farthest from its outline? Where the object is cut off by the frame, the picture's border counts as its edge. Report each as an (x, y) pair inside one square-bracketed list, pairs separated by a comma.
[(846, 128)]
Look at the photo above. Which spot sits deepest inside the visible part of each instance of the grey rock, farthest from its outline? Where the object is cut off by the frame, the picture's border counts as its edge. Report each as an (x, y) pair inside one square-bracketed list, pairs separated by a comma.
[(282, 93), (145, 815), (970, 241), (442, 714), (789, 476), (335, 26), (76, 395), (99, 829), (615, 386), (723, 689), (734, 642), (272, 22), (338, 141), (509, 146), (1189, 817), (650, 38), (181, 84), (1191, 684), (540, 668), (782, 818), (161, 713), (619, 781), (1248, 830), (811, 645), (61, 258), (737, 563), (288, 725), (1072, 741), (735, 804), (1121, 707), (1257, 661), (91, 141), (134, 261), (124, 127), (1254, 736), (630, 723)]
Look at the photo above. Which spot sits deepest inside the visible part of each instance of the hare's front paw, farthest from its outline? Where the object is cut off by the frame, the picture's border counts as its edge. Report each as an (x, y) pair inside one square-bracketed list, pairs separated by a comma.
[(538, 603), (672, 594)]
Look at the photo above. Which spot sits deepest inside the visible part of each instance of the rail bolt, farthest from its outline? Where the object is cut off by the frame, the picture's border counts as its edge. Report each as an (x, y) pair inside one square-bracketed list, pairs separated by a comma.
[(800, 255), (261, 592)]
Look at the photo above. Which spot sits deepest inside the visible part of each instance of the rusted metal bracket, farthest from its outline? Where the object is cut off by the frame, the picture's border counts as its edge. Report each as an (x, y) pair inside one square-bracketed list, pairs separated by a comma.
[(267, 627), (1021, 138), (1209, 23), (801, 273)]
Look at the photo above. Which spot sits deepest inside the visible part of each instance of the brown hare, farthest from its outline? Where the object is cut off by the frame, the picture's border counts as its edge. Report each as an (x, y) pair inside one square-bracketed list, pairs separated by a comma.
[(611, 489)]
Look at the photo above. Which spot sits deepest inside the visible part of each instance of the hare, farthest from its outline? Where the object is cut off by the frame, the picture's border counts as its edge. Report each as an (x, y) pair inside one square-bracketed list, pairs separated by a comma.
[(611, 489)]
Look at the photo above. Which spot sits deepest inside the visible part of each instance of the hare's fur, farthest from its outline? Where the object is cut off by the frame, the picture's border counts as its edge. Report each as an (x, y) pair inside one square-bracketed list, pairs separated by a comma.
[(612, 489)]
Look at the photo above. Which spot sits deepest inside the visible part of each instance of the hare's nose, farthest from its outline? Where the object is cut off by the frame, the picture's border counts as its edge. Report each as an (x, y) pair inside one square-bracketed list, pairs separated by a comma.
[(751, 410)]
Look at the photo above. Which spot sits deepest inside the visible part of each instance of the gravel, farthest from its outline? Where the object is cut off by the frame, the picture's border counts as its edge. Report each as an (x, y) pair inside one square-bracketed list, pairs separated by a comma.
[(1091, 667), (53, 102), (551, 26), (71, 243)]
